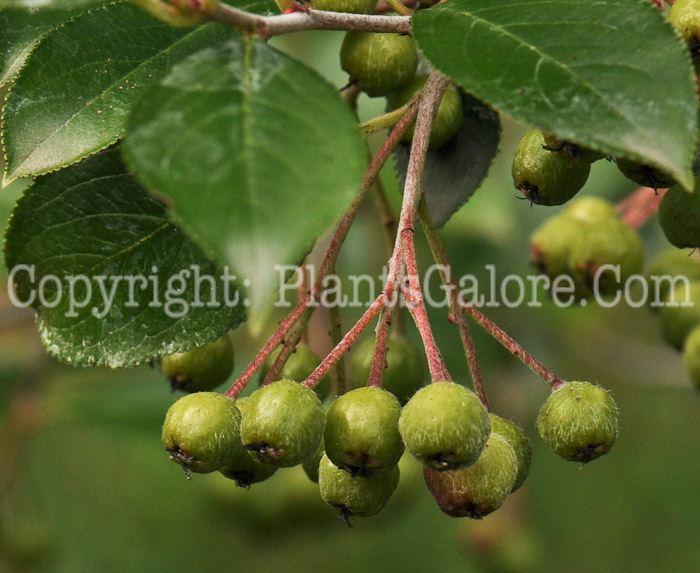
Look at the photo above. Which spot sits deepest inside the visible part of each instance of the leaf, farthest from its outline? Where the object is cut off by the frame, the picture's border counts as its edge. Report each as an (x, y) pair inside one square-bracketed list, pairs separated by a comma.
[(454, 171), (258, 154), (20, 31), (609, 74), (89, 228), (71, 98)]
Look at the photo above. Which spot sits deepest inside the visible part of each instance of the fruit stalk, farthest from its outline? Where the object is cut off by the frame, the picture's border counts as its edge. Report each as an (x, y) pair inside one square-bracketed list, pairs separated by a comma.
[(638, 207)]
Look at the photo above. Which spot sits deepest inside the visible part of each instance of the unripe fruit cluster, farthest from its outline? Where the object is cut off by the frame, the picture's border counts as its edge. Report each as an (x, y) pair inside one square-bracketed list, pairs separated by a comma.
[(589, 243)]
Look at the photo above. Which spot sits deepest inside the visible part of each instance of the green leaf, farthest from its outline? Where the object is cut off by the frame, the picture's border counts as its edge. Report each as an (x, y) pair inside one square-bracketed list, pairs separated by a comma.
[(20, 31), (86, 229), (258, 154), (71, 98), (455, 171), (609, 74)]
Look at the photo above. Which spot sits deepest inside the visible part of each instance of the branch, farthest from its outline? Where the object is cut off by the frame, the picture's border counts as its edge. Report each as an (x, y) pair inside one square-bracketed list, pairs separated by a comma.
[(267, 26)]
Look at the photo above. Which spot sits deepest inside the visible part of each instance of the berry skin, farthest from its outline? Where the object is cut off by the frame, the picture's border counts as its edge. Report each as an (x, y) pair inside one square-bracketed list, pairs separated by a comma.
[(200, 369), (607, 242), (282, 423), (679, 216), (685, 16), (445, 426), (551, 244), (547, 177), (449, 115), (405, 371), (517, 440), (310, 464), (590, 210), (479, 489), (579, 421), (355, 496), (380, 63), (298, 367), (202, 431), (672, 263), (677, 321), (362, 431), (644, 174), (574, 150), (348, 6), (242, 467), (691, 356)]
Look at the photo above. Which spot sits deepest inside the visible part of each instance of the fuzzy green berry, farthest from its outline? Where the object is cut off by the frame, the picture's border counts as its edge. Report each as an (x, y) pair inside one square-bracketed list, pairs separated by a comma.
[(362, 431), (644, 174), (479, 489), (666, 269), (680, 313), (202, 431), (404, 373), (348, 6), (679, 216), (517, 440), (445, 426), (685, 16), (579, 421), (310, 463), (380, 63), (547, 177), (243, 468), (551, 244), (355, 496), (298, 367), (200, 369), (590, 210), (691, 356), (605, 255), (282, 423), (449, 115)]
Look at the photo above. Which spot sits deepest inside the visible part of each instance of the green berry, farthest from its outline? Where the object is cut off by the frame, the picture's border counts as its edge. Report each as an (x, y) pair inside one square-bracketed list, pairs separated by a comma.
[(362, 431), (551, 244), (200, 369), (282, 423), (355, 496), (445, 426), (404, 373), (517, 440), (449, 115), (380, 63), (605, 255), (547, 177), (298, 367), (644, 174), (310, 463), (349, 6), (685, 16), (579, 421), (590, 210), (672, 263), (679, 216), (479, 489), (243, 468), (574, 150), (691, 356), (680, 313), (201, 432)]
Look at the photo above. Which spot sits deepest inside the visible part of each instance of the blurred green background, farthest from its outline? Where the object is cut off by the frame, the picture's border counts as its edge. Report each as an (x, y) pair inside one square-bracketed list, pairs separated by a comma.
[(86, 486)]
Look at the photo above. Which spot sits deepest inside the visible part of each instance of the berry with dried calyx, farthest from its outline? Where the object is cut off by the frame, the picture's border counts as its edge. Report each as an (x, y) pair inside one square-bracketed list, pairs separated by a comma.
[(202, 431), (479, 489), (282, 423), (517, 440), (200, 369), (355, 496), (579, 421), (645, 175), (362, 431), (445, 426)]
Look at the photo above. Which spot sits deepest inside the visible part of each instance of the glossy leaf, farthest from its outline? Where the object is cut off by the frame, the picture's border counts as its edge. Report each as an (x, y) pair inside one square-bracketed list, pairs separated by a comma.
[(609, 74), (258, 154), (20, 31), (72, 96), (454, 171), (95, 223)]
